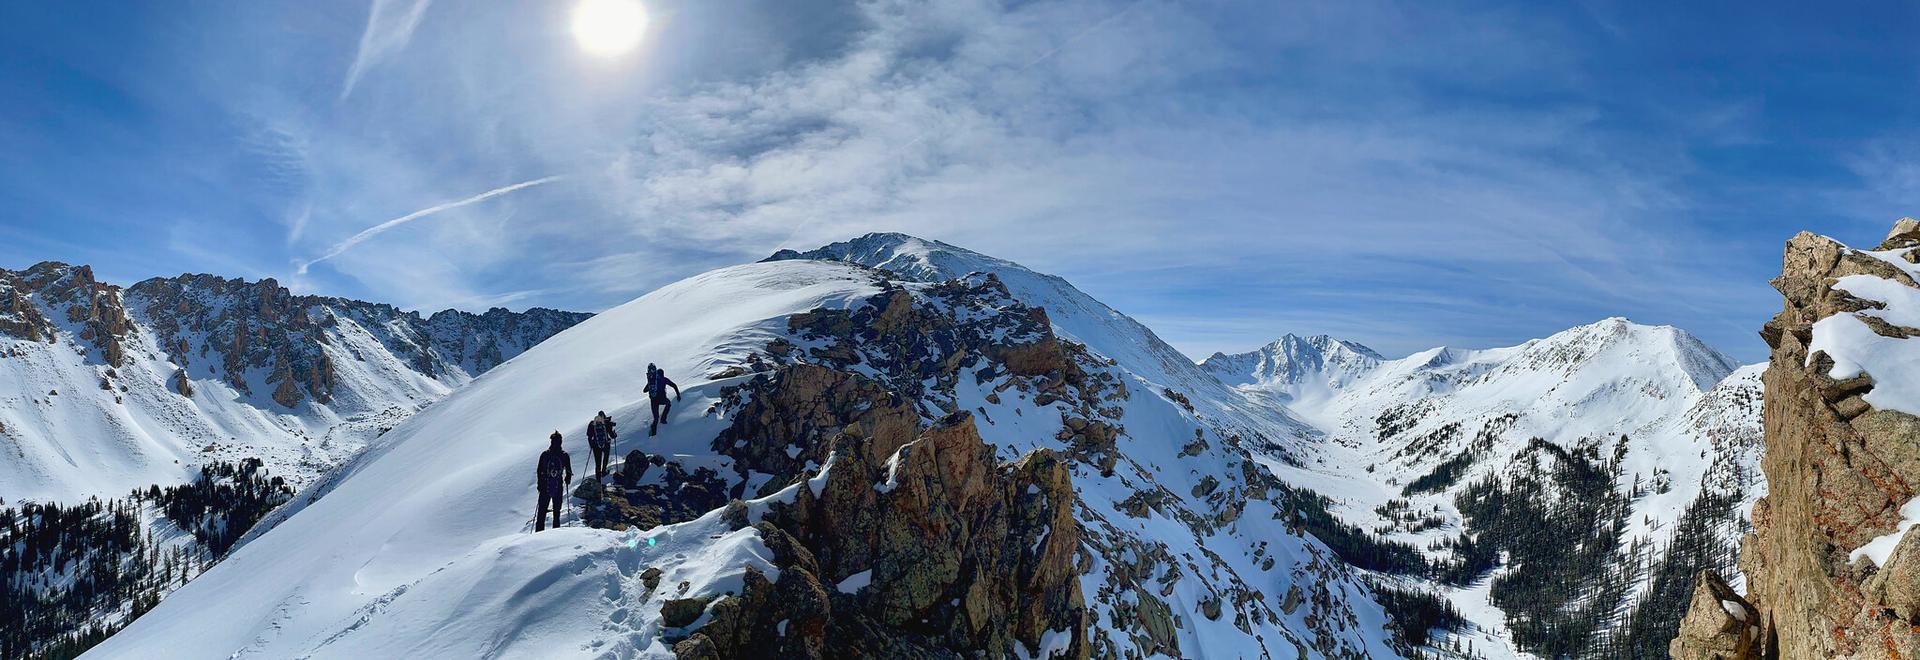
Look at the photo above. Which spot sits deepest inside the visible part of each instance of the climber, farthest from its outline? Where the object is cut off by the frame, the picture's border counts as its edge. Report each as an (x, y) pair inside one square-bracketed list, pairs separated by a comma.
[(600, 436), (656, 389), (554, 472)]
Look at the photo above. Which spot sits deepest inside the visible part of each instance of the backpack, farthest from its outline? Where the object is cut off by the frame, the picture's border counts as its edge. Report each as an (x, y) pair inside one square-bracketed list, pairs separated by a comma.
[(598, 434), (553, 466), (653, 383)]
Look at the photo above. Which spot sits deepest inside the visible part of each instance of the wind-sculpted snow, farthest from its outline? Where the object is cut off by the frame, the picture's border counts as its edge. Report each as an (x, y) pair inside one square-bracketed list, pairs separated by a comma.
[(421, 547)]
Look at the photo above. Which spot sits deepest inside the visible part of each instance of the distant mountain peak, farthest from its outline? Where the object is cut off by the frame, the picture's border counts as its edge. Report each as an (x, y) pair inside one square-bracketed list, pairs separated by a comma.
[(1292, 360), (1665, 344), (1326, 343)]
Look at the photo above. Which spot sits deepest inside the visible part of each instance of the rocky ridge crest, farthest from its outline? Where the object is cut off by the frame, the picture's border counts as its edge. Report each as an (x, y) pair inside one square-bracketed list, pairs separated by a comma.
[(1838, 471)]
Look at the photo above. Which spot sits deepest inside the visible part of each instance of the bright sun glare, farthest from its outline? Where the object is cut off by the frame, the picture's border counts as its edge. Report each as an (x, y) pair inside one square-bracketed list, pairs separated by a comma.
[(609, 27)]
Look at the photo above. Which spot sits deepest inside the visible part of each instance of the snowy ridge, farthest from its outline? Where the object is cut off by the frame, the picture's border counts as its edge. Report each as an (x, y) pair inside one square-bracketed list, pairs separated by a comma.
[(408, 555), (1075, 315), (420, 547), (1189, 548)]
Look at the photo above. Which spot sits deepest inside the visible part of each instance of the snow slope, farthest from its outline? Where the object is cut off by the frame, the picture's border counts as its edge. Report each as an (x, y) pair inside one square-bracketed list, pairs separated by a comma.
[(419, 548)]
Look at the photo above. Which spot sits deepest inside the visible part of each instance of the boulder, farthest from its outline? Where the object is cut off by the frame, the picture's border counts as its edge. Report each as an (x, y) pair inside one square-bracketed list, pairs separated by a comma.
[(682, 612), (1720, 625), (1905, 234)]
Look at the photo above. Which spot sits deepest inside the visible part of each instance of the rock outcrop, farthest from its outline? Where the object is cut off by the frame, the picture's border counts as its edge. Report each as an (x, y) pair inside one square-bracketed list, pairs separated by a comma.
[(935, 551), (897, 541), (953, 471), (904, 535), (238, 331), (92, 309), (1719, 623), (1838, 467)]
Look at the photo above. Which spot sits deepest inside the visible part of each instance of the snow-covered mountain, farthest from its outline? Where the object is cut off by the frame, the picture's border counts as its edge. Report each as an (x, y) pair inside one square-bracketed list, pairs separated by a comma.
[(145, 430), (105, 389), (923, 467), (1632, 437), (895, 446), (1153, 363), (1295, 366)]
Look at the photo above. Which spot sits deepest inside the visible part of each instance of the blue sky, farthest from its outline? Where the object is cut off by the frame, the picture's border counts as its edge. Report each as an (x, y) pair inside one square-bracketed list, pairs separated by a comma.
[(1402, 174)]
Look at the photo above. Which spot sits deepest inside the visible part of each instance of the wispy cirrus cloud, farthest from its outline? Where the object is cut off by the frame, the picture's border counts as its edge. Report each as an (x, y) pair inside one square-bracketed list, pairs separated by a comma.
[(1403, 173), (301, 266), (390, 25)]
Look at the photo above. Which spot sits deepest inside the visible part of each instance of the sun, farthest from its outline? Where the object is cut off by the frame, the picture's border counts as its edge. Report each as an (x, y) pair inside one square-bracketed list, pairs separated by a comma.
[(609, 27)]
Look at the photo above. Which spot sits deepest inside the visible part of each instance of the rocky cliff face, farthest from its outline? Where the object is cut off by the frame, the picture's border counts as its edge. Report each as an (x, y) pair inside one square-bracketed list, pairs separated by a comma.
[(1830, 570), (40, 301), (105, 388), (249, 333)]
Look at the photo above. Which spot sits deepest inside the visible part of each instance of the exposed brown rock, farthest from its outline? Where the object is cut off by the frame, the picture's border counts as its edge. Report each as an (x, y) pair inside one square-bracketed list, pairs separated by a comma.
[(679, 612), (805, 406), (256, 327), (58, 290), (181, 384), (1837, 472), (963, 555), (1905, 234), (1720, 625)]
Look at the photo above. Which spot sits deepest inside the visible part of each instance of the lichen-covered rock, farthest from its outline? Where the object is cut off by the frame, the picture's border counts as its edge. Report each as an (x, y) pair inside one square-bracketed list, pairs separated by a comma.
[(682, 612), (1837, 471), (958, 554), (1897, 585)]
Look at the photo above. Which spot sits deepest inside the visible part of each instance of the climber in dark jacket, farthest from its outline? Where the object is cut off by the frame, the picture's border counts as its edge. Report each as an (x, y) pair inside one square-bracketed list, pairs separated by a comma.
[(600, 436), (657, 384), (555, 470)]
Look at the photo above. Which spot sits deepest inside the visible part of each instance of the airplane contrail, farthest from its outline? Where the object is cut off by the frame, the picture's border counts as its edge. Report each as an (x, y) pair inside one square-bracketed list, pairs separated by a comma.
[(376, 230)]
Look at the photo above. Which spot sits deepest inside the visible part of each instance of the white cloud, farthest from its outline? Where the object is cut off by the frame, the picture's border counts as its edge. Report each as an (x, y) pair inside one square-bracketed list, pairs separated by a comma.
[(301, 266), (390, 25), (1148, 149)]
